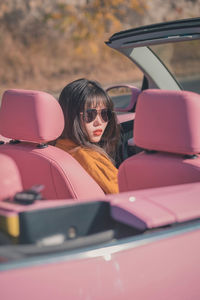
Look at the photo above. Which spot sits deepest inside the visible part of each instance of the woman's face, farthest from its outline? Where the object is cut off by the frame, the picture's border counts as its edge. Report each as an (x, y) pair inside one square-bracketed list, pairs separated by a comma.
[(96, 127)]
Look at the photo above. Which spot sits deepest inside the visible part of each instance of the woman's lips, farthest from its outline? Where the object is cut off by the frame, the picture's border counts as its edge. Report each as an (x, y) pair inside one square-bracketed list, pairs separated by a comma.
[(97, 132)]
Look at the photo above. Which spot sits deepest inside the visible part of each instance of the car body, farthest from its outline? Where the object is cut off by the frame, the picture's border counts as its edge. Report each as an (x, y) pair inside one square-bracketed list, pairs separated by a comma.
[(138, 244)]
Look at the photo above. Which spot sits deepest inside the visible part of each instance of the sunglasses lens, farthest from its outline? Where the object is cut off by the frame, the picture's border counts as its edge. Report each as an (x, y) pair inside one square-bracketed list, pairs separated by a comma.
[(90, 115), (106, 114)]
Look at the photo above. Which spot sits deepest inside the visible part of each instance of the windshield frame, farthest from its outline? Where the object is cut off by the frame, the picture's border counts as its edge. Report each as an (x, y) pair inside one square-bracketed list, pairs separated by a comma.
[(136, 45)]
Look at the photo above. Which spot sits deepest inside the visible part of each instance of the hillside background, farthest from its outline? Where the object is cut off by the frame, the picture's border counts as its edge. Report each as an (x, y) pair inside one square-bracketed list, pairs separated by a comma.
[(46, 44)]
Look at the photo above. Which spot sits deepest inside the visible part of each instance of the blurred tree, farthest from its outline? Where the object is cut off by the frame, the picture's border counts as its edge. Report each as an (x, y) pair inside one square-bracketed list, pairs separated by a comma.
[(48, 42), (92, 20)]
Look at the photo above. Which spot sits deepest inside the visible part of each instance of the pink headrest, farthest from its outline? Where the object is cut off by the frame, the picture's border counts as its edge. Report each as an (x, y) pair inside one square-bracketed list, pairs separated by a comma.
[(168, 121), (32, 116)]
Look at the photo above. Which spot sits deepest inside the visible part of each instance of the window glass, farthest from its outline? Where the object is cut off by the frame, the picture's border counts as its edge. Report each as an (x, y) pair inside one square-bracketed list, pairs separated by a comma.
[(121, 96), (183, 60)]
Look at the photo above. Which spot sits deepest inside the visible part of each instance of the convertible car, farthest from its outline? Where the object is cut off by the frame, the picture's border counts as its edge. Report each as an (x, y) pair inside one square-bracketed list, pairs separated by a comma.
[(61, 237)]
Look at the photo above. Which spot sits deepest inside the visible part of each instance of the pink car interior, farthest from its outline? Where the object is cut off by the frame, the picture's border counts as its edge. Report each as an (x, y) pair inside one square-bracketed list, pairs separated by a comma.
[(166, 126), (125, 117), (155, 207), (10, 179), (141, 210), (31, 119)]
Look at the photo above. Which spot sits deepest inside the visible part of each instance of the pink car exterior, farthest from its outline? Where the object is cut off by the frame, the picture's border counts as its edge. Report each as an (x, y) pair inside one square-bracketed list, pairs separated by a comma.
[(159, 266)]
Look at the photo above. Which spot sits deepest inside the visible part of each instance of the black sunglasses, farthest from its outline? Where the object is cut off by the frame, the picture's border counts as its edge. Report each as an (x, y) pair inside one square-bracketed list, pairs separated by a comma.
[(90, 114)]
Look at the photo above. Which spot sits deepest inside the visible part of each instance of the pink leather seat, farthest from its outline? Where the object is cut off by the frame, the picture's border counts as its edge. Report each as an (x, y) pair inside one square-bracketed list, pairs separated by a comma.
[(10, 179), (167, 126), (31, 119)]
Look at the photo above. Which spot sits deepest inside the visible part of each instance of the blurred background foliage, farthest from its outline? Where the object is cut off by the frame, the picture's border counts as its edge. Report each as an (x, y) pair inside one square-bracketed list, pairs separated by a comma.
[(45, 44)]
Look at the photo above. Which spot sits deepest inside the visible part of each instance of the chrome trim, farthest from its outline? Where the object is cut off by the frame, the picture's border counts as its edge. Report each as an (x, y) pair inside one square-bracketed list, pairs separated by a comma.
[(163, 40)]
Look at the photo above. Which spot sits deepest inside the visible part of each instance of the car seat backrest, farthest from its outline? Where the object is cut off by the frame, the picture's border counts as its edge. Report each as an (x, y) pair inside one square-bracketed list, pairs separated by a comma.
[(167, 128), (32, 119), (10, 179)]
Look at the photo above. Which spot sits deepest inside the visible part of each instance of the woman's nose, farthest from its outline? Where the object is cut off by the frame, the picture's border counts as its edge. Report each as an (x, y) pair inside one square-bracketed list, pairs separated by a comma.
[(97, 120)]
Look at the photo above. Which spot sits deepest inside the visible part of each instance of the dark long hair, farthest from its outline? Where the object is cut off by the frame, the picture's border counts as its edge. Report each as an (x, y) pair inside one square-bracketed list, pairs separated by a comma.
[(75, 98)]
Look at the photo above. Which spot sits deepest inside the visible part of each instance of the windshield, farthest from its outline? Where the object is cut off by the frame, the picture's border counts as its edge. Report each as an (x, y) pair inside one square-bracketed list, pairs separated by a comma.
[(183, 60)]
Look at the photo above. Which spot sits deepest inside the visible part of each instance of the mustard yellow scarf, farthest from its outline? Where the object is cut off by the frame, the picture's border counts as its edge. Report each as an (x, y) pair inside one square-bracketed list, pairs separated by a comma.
[(96, 164)]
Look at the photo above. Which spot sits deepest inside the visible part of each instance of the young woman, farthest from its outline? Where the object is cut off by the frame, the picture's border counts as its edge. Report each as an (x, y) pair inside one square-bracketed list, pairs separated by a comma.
[(91, 132)]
